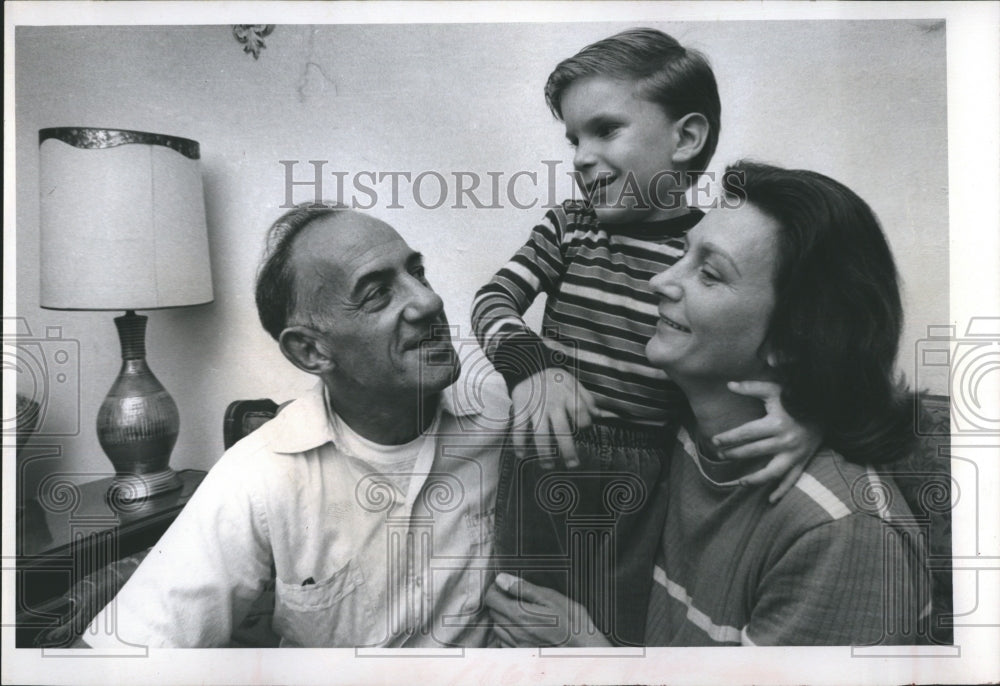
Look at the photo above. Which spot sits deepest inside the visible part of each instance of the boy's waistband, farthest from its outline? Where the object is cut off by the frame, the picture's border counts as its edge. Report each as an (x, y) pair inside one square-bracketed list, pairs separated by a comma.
[(616, 432)]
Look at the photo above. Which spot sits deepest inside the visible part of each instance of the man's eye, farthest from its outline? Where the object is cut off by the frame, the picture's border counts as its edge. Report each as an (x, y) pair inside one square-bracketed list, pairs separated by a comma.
[(572, 142), (377, 295), (420, 273)]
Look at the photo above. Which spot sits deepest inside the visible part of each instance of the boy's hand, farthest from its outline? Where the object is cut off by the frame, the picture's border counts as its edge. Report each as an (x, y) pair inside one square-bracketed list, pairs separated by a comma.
[(778, 434), (550, 406)]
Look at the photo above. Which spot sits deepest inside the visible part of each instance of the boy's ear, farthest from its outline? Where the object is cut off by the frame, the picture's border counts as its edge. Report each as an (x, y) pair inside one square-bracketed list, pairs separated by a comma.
[(305, 348), (690, 134)]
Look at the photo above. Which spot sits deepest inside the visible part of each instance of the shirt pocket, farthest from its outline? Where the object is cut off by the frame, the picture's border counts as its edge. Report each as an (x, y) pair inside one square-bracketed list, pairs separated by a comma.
[(331, 613), (480, 530)]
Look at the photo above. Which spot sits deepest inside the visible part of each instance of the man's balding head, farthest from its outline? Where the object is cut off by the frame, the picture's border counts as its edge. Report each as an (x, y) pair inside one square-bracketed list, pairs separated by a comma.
[(276, 295)]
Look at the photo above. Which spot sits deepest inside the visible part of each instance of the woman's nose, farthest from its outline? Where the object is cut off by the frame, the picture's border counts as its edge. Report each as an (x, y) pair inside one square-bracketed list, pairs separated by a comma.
[(666, 285)]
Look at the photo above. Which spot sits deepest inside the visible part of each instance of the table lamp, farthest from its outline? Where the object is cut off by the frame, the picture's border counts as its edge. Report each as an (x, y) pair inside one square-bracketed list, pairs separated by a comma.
[(123, 228)]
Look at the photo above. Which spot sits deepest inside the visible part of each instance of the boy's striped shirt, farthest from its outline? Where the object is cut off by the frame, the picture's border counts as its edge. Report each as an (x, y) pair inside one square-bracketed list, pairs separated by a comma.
[(600, 310)]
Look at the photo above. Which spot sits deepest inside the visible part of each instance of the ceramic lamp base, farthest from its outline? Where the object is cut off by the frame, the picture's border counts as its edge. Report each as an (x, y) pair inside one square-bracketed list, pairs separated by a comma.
[(138, 421), (129, 488)]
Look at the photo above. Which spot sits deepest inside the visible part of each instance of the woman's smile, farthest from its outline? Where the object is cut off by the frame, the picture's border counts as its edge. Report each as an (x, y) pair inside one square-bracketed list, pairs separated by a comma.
[(664, 319)]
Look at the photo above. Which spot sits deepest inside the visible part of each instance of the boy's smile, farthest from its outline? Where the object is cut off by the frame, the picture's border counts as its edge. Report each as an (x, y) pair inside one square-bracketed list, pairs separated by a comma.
[(625, 147)]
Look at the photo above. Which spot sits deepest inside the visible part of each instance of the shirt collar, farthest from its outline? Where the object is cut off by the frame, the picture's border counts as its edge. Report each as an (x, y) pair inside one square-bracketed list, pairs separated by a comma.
[(305, 423)]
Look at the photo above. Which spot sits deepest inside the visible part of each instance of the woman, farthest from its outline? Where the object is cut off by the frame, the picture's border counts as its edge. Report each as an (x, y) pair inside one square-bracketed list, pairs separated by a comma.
[(796, 285)]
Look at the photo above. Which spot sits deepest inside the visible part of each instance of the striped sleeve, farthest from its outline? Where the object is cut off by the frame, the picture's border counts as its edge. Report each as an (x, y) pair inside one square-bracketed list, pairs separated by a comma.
[(832, 586), (497, 311)]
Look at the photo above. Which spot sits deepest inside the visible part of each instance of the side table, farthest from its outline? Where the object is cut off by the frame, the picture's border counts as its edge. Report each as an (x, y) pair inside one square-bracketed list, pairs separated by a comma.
[(75, 531)]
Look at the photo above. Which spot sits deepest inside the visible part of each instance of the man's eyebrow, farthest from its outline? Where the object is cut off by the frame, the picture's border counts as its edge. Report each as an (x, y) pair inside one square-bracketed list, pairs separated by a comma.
[(713, 249)]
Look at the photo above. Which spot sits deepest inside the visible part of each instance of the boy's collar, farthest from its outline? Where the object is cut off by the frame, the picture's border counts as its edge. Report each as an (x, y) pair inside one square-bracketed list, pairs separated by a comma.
[(675, 227)]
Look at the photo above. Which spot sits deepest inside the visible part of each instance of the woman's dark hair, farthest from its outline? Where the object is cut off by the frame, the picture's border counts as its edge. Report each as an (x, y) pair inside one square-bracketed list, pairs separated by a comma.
[(834, 334), (276, 294), (678, 79)]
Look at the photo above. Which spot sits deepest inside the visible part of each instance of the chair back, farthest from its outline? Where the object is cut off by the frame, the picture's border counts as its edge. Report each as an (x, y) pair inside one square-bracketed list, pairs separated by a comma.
[(244, 417)]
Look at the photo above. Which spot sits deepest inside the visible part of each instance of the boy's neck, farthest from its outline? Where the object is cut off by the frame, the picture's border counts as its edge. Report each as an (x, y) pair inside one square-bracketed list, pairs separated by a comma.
[(677, 207), (666, 215)]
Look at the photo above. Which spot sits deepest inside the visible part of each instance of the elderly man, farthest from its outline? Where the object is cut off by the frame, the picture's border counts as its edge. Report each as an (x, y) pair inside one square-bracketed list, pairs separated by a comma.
[(369, 500)]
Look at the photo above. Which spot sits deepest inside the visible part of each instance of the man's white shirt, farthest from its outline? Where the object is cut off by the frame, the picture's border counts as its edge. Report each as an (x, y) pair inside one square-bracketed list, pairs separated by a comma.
[(358, 560)]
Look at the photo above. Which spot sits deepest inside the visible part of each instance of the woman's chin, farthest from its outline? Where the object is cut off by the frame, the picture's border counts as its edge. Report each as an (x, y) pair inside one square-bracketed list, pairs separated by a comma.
[(661, 356)]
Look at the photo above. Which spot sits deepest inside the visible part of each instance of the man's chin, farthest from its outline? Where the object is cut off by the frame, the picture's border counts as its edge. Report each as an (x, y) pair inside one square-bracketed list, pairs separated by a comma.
[(439, 368)]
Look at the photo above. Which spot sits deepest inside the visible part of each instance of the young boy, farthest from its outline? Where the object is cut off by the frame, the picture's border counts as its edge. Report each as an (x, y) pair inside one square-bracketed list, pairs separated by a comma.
[(643, 116)]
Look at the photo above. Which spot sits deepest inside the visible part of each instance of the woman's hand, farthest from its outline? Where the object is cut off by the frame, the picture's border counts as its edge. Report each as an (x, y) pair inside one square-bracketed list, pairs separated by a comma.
[(778, 433), (526, 615)]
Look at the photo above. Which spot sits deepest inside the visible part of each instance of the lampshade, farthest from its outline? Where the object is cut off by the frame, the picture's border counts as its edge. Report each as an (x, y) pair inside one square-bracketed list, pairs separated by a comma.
[(122, 221)]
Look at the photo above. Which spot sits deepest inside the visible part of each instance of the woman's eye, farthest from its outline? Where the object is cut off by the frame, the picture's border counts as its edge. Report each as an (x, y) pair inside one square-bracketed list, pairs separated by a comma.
[(708, 274)]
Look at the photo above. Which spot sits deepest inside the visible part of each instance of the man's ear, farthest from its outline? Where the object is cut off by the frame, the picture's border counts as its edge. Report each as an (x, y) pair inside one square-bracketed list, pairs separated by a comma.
[(690, 135), (305, 348)]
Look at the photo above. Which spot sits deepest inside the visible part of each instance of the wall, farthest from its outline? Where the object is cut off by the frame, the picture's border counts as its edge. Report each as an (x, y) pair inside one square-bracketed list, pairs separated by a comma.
[(861, 101)]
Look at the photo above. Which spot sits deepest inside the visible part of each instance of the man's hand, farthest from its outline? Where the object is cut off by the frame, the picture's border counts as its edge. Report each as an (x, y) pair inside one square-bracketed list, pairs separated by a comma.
[(549, 407), (778, 433), (526, 615)]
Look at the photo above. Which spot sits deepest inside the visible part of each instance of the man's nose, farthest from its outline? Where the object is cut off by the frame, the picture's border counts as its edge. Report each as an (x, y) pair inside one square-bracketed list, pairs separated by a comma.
[(423, 302)]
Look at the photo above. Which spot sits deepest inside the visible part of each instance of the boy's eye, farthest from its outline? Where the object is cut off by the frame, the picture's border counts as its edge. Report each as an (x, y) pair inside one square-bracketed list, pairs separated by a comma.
[(606, 130)]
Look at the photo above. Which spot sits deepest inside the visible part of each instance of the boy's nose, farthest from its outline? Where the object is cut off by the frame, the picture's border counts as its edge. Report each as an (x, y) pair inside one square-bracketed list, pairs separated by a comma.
[(584, 157)]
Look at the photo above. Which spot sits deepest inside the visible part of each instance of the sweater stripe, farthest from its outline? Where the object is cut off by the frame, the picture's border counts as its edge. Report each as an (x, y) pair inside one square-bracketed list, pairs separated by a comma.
[(719, 633), (822, 496), (880, 490)]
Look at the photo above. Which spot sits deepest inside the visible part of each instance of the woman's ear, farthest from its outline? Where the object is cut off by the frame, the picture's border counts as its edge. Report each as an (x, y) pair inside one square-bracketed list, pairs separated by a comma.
[(305, 348), (690, 135)]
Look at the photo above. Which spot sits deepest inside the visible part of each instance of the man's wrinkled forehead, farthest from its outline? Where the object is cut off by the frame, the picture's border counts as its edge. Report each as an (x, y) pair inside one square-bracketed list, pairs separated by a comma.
[(344, 247)]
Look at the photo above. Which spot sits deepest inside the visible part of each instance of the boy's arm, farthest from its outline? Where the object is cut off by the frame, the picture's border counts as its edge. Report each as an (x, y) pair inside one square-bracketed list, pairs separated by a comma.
[(528, 366), (515, 350), (791, 443)]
